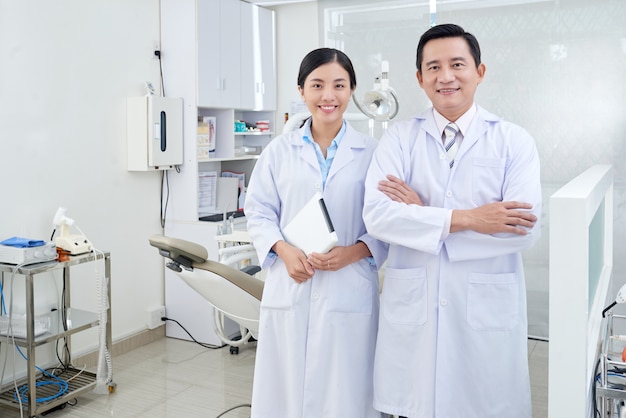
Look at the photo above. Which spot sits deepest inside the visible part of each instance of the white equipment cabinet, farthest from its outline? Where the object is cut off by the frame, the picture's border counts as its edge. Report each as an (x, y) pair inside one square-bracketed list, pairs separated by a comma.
[(61, 326), (219, 57), (154, 133)]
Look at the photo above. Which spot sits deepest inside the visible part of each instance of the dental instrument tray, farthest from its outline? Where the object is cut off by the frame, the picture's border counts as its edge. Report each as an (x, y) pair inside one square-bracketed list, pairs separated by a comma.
[(217, 217)]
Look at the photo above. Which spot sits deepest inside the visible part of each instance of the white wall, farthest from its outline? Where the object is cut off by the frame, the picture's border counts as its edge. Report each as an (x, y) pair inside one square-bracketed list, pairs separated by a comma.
[(297, 33), (66, 68)]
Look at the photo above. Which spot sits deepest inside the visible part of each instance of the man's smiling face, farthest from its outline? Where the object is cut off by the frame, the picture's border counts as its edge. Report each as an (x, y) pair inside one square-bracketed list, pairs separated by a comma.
[(449, 76)]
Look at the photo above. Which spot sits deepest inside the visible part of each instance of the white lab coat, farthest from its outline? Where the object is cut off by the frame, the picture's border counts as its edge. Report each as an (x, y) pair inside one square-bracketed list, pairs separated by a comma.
[(452, 339), (316, 340)]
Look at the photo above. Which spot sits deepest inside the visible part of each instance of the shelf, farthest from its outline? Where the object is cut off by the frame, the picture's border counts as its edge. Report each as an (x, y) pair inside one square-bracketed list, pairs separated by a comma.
[(36, 268), (253, 133), (78, 320), (79, 381), (241, 158)]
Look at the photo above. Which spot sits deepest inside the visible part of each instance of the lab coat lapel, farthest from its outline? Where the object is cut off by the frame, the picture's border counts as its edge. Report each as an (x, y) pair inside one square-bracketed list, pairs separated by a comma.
[(345, 151), (430, 126), (306, 153), (476, 130)]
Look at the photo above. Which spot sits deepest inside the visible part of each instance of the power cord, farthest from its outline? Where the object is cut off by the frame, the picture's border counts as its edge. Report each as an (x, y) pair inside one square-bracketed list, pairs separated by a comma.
[(243, 405), (157, 53), (164, 181), (164, 175), (209, 346)]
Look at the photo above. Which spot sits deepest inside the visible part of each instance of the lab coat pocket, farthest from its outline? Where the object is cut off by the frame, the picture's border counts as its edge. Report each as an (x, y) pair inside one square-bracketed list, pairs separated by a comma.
[(351, 292), (404, 300), (492, 302), (279, 292), (487, 180)]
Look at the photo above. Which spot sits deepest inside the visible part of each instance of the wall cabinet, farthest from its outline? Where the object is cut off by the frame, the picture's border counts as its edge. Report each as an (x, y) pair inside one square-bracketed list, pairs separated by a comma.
[(236, 57), (258, 72), (218, 55)]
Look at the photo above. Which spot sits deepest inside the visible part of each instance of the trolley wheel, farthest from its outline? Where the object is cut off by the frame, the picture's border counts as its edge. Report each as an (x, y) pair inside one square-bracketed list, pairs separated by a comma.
[(234, 350), (112, 387)]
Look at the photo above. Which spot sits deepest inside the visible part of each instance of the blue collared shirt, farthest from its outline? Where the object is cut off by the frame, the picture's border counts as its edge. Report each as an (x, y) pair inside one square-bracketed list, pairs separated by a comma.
[(324, 163)]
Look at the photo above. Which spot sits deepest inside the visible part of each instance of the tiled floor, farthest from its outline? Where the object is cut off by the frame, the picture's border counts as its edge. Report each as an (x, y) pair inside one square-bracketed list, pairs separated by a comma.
[(175, 378)]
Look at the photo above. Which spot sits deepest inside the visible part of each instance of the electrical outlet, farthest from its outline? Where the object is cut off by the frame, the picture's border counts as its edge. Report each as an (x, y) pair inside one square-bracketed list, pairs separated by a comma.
[(154, 317), (156, 49)]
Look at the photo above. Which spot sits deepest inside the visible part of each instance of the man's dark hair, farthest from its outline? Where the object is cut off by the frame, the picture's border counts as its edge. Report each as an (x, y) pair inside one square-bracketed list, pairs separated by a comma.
[(448, 30)]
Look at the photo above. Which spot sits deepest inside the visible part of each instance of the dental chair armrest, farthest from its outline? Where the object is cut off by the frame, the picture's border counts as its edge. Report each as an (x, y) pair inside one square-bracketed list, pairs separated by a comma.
[(178, 247), (245, 282)]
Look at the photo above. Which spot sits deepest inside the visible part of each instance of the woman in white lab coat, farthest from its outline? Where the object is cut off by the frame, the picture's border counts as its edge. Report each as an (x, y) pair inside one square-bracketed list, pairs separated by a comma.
[(319, 312)]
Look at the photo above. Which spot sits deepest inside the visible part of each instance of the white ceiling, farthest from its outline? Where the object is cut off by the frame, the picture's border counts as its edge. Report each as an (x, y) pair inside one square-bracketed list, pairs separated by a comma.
[(276, 2)]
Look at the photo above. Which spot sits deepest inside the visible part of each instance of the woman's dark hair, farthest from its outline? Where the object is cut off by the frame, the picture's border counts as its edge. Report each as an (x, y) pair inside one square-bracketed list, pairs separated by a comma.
[(322, 56), (447, 31)]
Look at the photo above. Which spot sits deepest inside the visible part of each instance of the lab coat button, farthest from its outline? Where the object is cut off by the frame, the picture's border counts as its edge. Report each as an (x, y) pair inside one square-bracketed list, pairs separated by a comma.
[(449, 193), (444, 302), (442, 156), (318, 186), (316, 296)]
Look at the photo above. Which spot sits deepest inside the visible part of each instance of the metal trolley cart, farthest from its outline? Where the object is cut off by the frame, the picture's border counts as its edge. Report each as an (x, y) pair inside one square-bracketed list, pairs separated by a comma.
[(610, 376), (60, 326)]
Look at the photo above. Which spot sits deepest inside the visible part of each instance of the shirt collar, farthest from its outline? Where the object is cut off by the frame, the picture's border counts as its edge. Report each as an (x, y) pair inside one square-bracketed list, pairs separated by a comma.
[(307, 137), (463, 122)]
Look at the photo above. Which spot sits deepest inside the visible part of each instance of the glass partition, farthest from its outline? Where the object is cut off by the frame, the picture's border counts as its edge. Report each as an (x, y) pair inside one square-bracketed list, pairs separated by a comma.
[(555, 67)]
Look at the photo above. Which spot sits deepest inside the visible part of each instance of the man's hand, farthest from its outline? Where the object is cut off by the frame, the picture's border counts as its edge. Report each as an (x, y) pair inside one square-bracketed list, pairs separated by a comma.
[(398, 191), (494, 217)]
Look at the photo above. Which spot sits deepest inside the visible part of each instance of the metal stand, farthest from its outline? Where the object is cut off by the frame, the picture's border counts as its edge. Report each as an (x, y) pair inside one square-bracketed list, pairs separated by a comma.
[(610, 375), (61, 326)]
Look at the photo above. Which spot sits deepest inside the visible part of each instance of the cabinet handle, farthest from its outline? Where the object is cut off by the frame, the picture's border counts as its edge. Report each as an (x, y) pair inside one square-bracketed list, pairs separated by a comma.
[(163, 131)]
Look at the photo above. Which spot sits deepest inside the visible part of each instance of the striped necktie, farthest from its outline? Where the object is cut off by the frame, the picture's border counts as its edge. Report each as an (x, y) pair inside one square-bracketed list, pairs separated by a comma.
[(449, 141)]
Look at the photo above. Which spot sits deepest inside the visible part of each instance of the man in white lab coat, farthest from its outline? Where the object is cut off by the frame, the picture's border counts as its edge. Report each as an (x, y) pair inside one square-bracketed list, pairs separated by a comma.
[(452, 339)]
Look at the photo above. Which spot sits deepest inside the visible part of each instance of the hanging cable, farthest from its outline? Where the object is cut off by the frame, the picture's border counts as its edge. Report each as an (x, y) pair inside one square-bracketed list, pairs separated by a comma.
[(165, 196)]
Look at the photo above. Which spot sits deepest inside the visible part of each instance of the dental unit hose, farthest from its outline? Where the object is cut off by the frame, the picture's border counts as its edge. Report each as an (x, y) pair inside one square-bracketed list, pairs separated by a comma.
[(104, 357)]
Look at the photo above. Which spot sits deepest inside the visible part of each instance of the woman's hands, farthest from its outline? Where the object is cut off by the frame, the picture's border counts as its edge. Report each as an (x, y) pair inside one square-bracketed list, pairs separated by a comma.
[(301, 268), (298, 267)]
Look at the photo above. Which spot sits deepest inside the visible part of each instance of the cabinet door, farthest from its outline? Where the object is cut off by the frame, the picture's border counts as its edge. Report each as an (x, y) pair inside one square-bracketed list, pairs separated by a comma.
[(230, 44), (248, 57), (267, 39), (219, 63), (208, 53), (258, 81)]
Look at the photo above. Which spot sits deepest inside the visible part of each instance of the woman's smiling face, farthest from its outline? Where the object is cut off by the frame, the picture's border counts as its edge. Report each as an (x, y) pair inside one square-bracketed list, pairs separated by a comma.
[(327, 93)]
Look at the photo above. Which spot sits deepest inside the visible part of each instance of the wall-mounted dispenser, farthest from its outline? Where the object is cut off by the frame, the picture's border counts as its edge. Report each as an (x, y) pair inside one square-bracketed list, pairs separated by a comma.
[(154, 133)]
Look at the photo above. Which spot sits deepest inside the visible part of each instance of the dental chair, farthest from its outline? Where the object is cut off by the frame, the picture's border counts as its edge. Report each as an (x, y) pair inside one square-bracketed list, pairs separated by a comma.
[(233, 293)]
